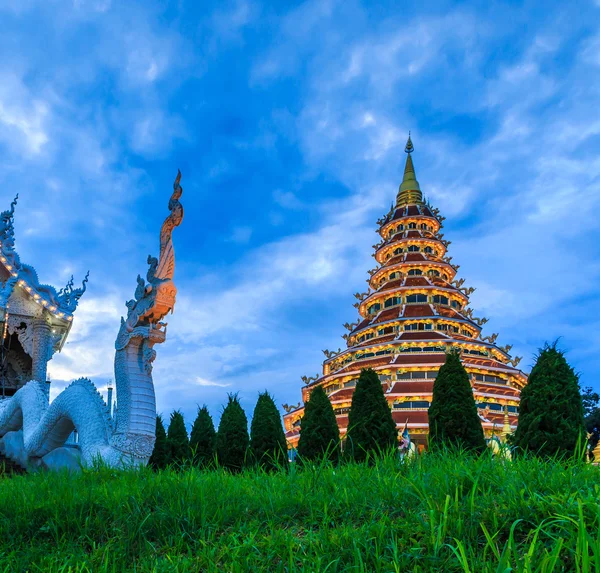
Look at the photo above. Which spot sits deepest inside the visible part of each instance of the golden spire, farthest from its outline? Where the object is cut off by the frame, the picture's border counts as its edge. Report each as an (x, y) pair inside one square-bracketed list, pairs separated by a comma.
[(409, 192)]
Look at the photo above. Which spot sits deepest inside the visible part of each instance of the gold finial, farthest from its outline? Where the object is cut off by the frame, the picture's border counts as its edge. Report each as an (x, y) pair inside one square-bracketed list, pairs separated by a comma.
[(409, 145), (410, 191)]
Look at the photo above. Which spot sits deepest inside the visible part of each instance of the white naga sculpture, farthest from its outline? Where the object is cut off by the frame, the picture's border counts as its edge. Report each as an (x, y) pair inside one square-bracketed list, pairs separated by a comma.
[(34, 432)]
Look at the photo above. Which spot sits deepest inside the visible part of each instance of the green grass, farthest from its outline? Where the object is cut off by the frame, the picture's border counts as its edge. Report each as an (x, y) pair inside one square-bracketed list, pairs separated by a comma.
[(437, 513)]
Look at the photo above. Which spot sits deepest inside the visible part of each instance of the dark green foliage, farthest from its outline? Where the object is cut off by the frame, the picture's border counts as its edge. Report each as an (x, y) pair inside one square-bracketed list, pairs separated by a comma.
[(371, 428), (203, 439), (267, 439), (319, 433), (177, 438), (159, 459), (550, 411), (232, 436), (453, 418)]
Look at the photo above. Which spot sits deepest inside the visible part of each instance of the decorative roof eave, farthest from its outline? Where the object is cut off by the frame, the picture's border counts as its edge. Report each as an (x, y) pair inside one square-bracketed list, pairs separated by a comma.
[(449, 341), (407, 219), (430, 318), (388, 268), (61, 304), (413, 289)]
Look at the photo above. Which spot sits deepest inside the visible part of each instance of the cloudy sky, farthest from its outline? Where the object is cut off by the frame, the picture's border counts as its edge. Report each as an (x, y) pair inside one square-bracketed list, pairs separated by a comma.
[(288, 122)]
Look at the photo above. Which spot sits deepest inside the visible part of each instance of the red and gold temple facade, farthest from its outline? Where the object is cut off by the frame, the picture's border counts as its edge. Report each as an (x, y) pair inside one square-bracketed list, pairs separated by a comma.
[(412, 313)]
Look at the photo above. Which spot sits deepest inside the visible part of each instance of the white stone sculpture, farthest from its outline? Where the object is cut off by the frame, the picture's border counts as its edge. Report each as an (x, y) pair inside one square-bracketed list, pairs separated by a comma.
[(33, 432)]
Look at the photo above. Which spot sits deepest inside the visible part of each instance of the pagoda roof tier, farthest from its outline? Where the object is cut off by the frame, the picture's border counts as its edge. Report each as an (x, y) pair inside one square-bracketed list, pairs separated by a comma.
[(398, 263), (416, 359), (412, 288), (411, 387), (433, 243), (407, 312)]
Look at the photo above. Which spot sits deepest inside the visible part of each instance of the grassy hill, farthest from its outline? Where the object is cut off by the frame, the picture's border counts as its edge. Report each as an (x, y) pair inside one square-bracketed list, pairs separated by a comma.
[(437, 513)]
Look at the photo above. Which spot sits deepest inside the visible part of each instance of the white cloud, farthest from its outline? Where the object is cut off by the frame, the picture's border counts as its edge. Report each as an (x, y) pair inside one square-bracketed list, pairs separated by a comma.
[(241, 235), (205, 382)]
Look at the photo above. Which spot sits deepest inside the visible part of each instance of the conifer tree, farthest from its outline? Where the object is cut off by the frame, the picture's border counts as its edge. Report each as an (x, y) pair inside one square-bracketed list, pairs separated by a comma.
[(203, 438), (453, 418), (551, 420), (319, 433), (177, 438), (371, 428), (159, 459), (267, 438), (232, 436)]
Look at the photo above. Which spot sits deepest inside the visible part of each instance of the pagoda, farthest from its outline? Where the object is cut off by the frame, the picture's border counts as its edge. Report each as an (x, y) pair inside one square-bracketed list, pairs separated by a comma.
[(413, 312)]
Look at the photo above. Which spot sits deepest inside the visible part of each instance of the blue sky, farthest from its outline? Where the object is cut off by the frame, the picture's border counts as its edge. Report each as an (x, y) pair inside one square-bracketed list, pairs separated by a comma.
[(288, 122)]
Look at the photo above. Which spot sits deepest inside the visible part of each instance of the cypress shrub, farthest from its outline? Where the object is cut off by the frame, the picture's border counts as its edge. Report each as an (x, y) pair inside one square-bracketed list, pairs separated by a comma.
[(267, 438), (319, 433), (203, 438), (551, 421), (371, 428), (453, 418), (232, 436), (159, 459), (177, 438)]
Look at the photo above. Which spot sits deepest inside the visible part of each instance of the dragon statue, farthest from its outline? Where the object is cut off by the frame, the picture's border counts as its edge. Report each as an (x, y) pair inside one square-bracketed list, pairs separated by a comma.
[(33, 432)]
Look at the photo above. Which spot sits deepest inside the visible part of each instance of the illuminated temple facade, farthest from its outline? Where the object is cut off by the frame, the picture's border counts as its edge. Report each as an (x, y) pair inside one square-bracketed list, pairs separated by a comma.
[(35, 319), (413, 312)]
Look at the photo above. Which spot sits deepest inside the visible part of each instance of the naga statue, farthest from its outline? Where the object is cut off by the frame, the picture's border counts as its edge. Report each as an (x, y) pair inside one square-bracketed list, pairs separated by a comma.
[(33, 432)]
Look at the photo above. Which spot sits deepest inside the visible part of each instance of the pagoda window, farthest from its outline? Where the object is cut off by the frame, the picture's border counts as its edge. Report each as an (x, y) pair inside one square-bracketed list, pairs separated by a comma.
[(412, 225), (393, 301), (419, 375), (492, 406), (415, 272), (394, 275), (374, 308), (416, 298), (350, 384), (423, 226), (418, 326), (400, 228), (513, 409), (442, 327), (455, 329), (296, 424), (386, 330), (455, 304), (414, 405), (489, 378), (445, 277), (439, 299), (398, 251), (433, 273), (383, 352), (413, 249)]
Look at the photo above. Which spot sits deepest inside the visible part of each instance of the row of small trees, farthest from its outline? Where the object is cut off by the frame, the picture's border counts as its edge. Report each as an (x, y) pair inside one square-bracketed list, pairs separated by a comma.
[(230, 446), (551, 420)]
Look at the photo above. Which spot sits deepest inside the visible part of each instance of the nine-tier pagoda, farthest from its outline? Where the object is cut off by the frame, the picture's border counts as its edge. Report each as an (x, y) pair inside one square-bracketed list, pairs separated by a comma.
[(412, 313)]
